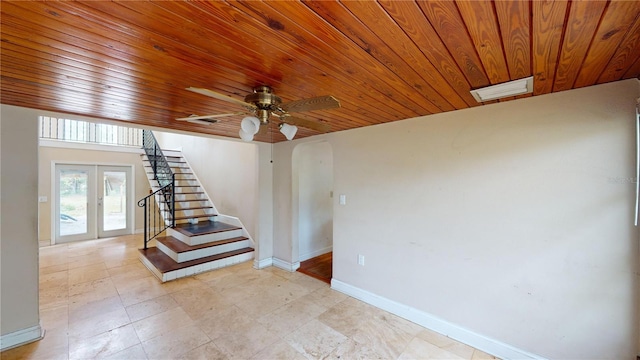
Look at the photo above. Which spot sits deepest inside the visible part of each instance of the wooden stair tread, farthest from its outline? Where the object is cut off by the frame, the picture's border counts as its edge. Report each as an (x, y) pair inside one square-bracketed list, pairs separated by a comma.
[(192, 208), (179, 173), (164, 263), (171, 161), (196, 208), (201, 216), (204, 227), (163, 154), (170, 166), (155, 188), (180, 247)]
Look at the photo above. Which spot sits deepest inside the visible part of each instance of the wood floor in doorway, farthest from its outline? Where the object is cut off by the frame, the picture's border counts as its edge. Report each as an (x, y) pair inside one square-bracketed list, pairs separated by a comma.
[(319, 267)]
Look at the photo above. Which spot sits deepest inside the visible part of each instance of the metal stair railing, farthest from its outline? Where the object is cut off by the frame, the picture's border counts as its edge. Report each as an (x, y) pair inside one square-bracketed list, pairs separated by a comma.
[(156, 203)]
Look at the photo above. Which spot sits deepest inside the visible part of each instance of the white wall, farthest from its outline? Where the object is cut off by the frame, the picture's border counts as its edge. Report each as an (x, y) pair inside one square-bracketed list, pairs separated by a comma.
[(313, 167), (513, 221), (18, 226)]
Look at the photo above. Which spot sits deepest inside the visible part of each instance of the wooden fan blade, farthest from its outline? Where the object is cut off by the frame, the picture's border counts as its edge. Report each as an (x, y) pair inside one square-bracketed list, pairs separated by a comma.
[(222, 97), (209, 116), (204, 121), (309, 124), (310, 104)]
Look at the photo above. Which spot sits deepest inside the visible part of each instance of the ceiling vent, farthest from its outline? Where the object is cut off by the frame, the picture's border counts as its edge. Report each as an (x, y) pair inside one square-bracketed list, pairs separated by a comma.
[(499, 91)]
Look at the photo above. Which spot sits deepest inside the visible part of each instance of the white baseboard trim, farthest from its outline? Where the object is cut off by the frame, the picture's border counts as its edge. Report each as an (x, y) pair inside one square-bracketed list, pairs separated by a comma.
[(284, 265), (480, 342), (21, 337), (316, 253), (261, 264)]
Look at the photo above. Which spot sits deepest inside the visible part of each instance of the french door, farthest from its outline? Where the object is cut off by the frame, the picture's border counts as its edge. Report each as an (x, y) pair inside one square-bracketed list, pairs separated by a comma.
[(92, 201)]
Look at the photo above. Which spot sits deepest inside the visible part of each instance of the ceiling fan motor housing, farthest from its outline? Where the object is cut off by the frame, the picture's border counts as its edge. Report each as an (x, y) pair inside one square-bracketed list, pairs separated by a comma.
[(265, 100)]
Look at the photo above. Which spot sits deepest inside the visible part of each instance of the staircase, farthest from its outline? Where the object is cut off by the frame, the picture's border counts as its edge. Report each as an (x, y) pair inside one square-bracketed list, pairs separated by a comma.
[(201, 239)]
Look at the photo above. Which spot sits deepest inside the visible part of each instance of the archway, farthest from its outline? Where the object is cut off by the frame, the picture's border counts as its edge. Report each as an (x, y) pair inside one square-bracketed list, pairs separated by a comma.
[(313, 170)]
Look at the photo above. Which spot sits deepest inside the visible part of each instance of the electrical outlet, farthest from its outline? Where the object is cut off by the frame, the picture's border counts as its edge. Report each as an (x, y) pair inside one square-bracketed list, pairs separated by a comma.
[(360, 260)]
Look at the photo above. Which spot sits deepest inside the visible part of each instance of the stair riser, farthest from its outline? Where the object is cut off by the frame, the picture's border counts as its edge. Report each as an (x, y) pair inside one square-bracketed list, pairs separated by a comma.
[(201, 239), (200, 253), (192, 214), (183, 207), (172, 163), (196, 269), (179, 189), (190, 189), (198, 212), (191, 197), (193, 221), (187, 182), (184, 195), (190, 221), (181, 177), (217, 264), (182, 170)]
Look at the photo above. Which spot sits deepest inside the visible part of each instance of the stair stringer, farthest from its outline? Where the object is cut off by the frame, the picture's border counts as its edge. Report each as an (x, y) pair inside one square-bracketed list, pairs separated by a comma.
[(236, 221)]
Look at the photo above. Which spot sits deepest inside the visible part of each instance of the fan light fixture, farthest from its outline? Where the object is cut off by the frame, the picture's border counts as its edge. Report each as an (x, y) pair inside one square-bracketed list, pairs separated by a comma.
[(250, 124), (289, 131), (499, 91), (245, 136)]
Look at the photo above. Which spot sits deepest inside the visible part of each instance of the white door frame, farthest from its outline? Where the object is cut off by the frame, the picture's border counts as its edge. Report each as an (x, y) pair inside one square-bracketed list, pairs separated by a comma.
[(55, 214)]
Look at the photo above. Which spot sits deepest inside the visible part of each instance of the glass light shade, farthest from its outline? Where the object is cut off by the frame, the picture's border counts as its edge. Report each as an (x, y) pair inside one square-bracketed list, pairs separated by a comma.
[(250, 125), (289, 131), (245, 136)]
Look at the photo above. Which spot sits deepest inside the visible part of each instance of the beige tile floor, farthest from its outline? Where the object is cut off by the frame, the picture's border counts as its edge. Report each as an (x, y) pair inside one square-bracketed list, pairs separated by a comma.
[(98, 301)]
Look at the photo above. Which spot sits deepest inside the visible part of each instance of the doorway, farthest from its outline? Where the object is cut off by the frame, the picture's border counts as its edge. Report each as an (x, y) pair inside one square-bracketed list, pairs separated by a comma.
[(314, 167), (91, 201)]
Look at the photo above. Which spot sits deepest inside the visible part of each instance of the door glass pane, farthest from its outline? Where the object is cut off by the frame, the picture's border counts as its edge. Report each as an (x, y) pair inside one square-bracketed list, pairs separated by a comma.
[(114, 200), (73, 202)]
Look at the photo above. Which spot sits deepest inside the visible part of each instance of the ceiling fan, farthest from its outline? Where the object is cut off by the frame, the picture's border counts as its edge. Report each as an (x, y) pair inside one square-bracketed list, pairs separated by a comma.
[(263, 104)]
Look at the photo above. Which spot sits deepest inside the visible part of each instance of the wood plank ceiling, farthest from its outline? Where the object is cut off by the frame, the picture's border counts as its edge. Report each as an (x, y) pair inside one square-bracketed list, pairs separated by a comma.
[(384, 60)]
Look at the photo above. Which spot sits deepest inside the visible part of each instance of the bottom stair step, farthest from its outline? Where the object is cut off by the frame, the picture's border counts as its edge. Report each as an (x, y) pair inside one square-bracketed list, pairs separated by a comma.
[(167, 269), (182, 252)]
